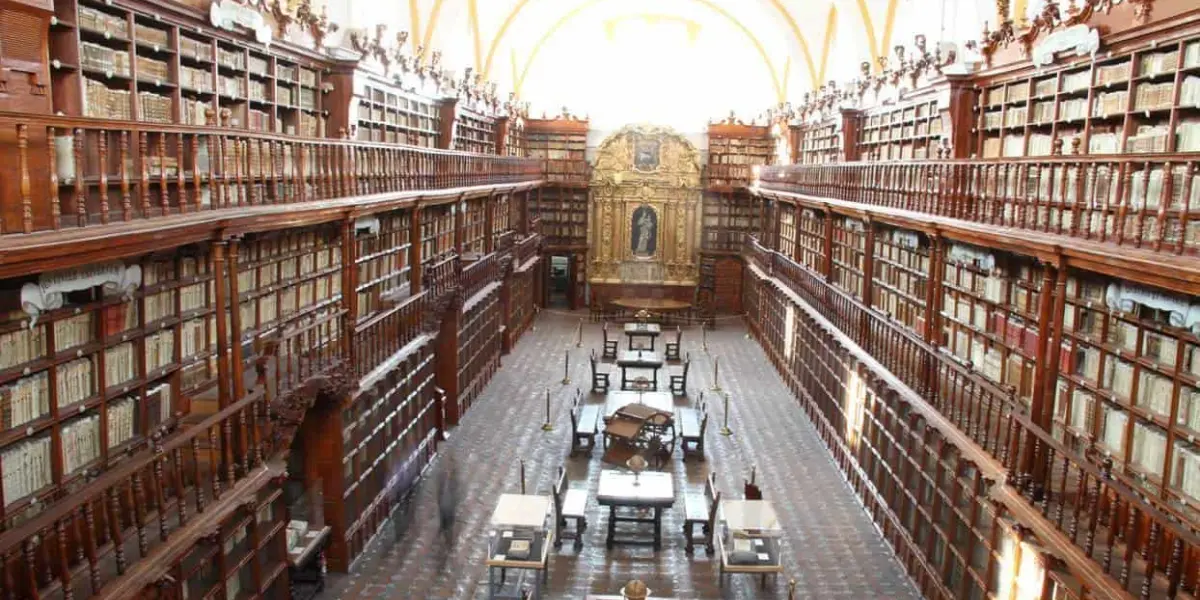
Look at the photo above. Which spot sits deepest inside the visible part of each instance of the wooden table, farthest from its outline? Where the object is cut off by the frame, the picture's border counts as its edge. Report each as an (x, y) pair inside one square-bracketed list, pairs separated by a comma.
[(752, 523), (660, 401), (518, 515), (654, 490), (661, 305), (639, 359), (650, 331)]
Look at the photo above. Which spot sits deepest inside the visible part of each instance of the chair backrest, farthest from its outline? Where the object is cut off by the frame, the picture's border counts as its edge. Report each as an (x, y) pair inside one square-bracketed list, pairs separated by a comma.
[(703, 421), (752, 492), (560, 488), (604, 330), (678, 334), (592, 360), (574, 417), (687, 364), (712, 511)]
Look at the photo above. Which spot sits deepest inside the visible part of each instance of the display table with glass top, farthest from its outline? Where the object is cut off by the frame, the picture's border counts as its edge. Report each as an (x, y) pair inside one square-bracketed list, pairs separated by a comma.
[(641, 360), (649, 331), (628, 491), (519, 540), (748, 540)]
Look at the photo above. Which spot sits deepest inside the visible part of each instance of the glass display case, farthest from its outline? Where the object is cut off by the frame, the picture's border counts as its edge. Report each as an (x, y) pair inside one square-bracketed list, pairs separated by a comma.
[(749, 538), (519, 539)]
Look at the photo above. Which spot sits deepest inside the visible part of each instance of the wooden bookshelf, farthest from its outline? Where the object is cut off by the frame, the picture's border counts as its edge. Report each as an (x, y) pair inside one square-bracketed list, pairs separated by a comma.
[(437, 233), (474, 132), (479, 345), (810, 238), (1141, 97), (734, 150), (564, 212), (821, 142), (383, 255), (515, 138), (114, 62), (900, 282), (380, 111), (82, 384), (912, 130), (849, 255), (562, 146), (728, 218)]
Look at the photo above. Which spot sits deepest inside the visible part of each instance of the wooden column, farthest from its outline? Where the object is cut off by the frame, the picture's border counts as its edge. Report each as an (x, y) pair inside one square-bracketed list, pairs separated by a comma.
[(447, 361), (1053, 340), (868, 278), (1031, 461), (414, 250), (349, 289), (851, 123), (827, 269), (447, 113), (460, 217), (933, 308), (489, 224), (219, 249)]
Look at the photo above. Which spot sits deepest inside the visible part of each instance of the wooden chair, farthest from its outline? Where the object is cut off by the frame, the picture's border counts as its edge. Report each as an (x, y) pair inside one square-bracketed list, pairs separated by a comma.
[(584, 426), (679, 382), (672, 348), (610, 346), (599, 378), (749, 489), (701, 509), (569, 504), (693, 422)]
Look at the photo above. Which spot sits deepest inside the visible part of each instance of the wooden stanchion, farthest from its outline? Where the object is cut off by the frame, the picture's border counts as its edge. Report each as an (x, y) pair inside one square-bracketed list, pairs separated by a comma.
[(522, 477), (566, 380), (547, 426), (792, 589), (725, 430), (716, 374)]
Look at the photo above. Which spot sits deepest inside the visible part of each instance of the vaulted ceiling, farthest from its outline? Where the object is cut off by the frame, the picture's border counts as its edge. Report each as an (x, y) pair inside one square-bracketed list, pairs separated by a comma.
[(693, 57)]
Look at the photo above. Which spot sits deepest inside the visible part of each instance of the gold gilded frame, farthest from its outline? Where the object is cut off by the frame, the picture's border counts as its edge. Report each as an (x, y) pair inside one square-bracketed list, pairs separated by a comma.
[(621, 183)]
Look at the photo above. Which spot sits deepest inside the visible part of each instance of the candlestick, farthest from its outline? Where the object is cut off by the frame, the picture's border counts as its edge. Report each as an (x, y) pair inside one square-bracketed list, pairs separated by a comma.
[(566, 368), (725, 430), (547, 426), (716, 374), (579, 337)]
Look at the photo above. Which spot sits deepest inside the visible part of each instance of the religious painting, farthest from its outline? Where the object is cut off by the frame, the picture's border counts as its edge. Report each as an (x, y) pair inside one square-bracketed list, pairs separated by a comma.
[(646, 153), (644, 232)]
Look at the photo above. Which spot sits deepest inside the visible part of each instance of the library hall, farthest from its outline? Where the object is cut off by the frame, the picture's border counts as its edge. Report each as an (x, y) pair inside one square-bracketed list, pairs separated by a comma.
[(599, 299)]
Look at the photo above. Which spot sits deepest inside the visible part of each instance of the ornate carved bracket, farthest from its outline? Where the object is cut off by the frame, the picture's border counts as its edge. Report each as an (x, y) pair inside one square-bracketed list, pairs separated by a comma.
[(1049, 19), (287, 413), (317, 25)]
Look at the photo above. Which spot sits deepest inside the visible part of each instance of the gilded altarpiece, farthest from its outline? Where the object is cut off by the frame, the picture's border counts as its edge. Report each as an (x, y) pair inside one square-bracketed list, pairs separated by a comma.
[(645, 211)]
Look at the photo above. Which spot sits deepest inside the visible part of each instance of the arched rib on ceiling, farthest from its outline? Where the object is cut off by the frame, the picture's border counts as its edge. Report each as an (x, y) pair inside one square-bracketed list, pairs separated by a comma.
[(537, 47), (795, 29)]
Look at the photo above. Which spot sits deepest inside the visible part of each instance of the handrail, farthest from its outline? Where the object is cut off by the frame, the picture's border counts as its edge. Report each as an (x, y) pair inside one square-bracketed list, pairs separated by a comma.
[(1044, 472)]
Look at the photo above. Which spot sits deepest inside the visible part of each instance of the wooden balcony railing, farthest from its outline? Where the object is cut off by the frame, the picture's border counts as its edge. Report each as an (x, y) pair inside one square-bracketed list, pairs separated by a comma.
[(527, 248), (74, 548), (74, 172), (478, 275), (1145, 545), (309, 347), (442, 276), (504, 240), (1150, 202), (383, 335)]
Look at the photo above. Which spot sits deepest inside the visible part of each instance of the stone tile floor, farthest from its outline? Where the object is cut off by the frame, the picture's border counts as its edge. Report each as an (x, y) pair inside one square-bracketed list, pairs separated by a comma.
[(831, 548)]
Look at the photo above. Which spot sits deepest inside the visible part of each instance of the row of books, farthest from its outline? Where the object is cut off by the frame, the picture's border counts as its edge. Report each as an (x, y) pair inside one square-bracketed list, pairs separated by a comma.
[(103, 58), (150, 69), (200, 80), (154, 108), (80, 442), (232, 59), (26, 468), (99, 21), (122, 421), (1113, 74), (25, 400), (159, 349), (1110, 103), (194, 336), (152, 36), (234, 87), (103, 102), (195, 49), (195, 297), (119, 365)]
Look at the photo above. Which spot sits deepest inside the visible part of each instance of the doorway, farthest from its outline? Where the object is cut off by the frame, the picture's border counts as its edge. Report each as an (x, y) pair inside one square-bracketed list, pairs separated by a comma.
[(560, 282)]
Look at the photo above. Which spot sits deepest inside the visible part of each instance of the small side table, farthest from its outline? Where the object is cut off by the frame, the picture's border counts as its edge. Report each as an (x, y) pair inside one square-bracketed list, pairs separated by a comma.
[(306, 564)]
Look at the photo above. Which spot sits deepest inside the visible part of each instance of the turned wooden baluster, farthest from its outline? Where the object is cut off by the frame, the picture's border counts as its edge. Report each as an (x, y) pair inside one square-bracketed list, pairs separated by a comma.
[(223, 172), (1129, 537), (214, 189), (89, 522), (197, 482), (178, 486), (144, 172), (64, 565), (102, 158), (1174, 567), (52, 155), (298, 174), (113, 518), (214, 461), (240, 165), (1164, 203), (1124, 195), (274, 158), (227, 450), (328, 181), (1139, 218), (197, 195), (181, 177), (123, 158), (23, 167), (1187, 186), (137, 495), (29, 553), (80, 188), (260, 184), (164, 192), (158, 488), (1150, 558)]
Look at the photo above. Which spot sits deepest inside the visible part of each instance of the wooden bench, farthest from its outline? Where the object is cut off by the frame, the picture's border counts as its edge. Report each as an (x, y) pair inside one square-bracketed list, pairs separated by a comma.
[(672, 347), (599, 378), (569, 504), (701, 509), (584, 426), (679, 382), (610, 348), (693, 422)]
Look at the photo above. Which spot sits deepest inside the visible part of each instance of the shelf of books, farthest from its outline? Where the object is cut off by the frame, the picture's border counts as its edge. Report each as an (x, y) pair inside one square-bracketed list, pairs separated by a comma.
[(1129, 382), (913, 130), (382, 112), (900, 282), (728, 217), (474, 221), (564, 212), (111, 62), (437, 233), (474, 132), (286, 279), (849, 253), (1144, 99), (989, 313), (113, 357), (384, 271), (562, 145), (787, 228), (479, 346), (810, 239), (821, 142), (387, 439), (515, 139), (734, 151)]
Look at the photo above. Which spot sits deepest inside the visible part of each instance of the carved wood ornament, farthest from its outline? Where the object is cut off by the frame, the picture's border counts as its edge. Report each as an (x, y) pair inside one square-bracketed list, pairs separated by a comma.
[(288, 412), (1050, 18)]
